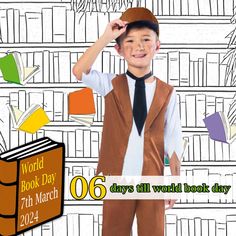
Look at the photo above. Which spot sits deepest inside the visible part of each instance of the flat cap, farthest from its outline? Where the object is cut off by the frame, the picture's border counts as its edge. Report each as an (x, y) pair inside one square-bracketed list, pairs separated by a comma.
[(139, 14)]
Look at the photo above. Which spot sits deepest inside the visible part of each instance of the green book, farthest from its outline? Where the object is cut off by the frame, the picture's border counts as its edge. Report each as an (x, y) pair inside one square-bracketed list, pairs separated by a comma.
[(13, 70)]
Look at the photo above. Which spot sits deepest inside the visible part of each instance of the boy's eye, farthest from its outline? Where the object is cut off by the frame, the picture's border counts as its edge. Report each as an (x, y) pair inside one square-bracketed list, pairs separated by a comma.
[(147, 39), (129, 41)]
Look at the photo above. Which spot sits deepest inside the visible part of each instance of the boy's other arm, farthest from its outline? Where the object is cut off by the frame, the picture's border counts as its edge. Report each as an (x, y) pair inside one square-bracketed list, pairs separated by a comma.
[(175, 170), (113, 30), (173, 140)]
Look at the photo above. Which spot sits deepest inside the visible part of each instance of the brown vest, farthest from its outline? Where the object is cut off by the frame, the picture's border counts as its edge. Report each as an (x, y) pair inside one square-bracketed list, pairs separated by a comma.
[(118, 121)]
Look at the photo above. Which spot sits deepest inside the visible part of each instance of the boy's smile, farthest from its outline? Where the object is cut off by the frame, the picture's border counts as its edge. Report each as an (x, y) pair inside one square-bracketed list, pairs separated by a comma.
[(138, 48)]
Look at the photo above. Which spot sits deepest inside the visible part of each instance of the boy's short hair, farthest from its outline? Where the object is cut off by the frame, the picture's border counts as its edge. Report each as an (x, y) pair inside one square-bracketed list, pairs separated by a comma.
[(139, 25)]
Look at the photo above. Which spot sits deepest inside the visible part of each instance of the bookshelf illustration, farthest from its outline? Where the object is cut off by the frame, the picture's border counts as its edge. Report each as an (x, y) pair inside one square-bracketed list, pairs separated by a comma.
[(54, 34)]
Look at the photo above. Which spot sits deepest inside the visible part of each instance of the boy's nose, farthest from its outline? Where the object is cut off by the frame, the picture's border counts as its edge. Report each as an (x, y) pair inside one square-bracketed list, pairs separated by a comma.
[(140, 45)]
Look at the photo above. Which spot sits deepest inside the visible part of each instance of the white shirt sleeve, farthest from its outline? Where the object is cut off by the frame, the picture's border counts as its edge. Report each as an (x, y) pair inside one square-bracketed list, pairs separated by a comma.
[(173, 140), (100, 82)]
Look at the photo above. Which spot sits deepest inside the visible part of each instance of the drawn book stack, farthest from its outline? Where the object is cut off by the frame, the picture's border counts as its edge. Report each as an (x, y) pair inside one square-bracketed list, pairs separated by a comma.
[(82, 107), (14, 71), (31, 185)]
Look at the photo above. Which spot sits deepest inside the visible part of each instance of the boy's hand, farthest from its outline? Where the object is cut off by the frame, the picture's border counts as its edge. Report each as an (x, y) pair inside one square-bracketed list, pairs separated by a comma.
[(114, 29), (170, 203)]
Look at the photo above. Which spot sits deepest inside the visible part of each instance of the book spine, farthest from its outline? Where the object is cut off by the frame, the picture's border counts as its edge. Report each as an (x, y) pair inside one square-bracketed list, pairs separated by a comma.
[(60, 227), (59, 24), (73, 224), (4, 28), (47, 25), (17, 25), (10, 24), (80, 26), (22, 28), (70, 26), (8, 197), (46, 67), (184, 68)]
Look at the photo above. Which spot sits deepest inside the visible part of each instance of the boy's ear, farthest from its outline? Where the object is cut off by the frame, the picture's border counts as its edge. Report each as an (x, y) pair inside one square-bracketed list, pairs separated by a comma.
[(157, 45), (118, 49)]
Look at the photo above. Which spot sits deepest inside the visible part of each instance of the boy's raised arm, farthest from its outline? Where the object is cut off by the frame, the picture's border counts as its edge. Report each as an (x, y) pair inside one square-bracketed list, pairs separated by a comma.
[(113, 30)]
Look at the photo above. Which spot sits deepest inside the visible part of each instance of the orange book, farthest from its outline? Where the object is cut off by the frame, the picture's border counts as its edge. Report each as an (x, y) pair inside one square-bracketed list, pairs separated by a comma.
[(81, 106), (31, 185)]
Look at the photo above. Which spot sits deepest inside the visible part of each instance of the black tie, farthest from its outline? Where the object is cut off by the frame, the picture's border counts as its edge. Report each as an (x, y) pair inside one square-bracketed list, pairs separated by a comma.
[(139, 105)]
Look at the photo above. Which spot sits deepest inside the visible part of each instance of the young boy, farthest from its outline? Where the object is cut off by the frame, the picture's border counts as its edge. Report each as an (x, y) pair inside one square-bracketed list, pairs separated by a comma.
[(141, 122)]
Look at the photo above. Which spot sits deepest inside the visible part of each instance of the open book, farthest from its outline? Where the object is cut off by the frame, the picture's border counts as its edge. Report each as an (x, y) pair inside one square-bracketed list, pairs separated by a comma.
[(29, 121), (81, 106), (13, 70), (219, 127)]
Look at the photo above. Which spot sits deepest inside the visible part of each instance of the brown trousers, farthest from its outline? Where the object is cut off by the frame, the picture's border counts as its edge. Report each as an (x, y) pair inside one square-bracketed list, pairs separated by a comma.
[(118, 216)]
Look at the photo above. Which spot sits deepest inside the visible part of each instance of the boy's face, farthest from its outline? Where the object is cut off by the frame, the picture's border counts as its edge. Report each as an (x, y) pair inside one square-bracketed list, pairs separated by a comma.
[(138, 48)]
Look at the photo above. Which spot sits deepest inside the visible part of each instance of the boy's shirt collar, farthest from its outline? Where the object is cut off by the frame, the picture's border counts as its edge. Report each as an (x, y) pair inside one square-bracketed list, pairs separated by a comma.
[(132, 81)]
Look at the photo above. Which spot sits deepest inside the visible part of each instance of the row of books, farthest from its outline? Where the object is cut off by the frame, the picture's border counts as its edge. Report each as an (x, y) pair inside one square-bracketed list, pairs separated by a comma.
[(56, 104), (52, 25), (60, 24), (78, 143), (202, 148), (188, 7), (86, 143), (174, 67), (213, 177), (178, 226), (54, 67), (195, 107), (178, 69), (72, 224)]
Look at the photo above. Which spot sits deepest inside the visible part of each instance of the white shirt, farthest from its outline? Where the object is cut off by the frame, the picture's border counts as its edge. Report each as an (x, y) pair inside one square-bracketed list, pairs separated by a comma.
[(133, 161)]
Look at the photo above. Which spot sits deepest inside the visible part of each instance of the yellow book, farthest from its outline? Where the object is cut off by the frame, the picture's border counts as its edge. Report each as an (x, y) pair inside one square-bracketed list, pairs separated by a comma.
[(29, 121)]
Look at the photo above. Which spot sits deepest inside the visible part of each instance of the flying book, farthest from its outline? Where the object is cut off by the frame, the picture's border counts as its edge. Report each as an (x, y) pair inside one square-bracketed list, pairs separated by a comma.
[(13, 70), (29, 121), (219, 127), (31, 185), (81, 106)]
